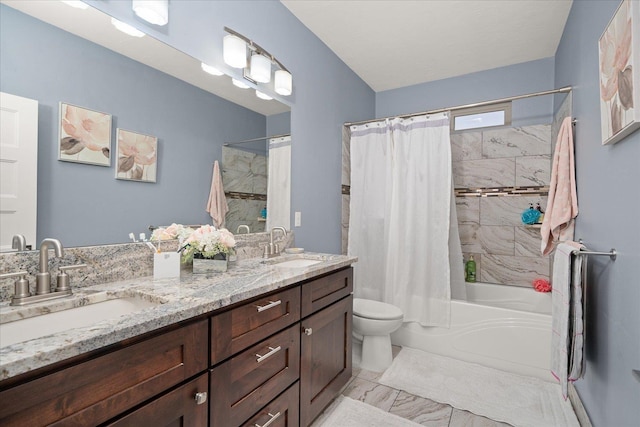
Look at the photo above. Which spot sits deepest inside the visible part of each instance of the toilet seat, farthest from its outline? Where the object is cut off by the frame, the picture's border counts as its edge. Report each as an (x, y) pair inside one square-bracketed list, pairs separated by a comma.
[(375, 310)]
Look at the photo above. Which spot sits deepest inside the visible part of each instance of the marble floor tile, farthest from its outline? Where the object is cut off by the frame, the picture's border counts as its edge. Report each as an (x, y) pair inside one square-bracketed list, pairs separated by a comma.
[(460, 418), (517, 141), (527, 241), (371, 393), (422, 411), (533, 170), (370, 375), (496, 239), (484, 173), (512, 270)]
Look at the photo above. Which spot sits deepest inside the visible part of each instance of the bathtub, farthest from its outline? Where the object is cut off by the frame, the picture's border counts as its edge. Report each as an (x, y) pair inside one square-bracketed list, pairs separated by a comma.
[(503, 327)]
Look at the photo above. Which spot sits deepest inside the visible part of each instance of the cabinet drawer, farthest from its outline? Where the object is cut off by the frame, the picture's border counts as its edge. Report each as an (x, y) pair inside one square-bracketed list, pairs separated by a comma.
[(326, 290), (248, 381), (240, 327), (177, 408), (97, 390), (283, 411)]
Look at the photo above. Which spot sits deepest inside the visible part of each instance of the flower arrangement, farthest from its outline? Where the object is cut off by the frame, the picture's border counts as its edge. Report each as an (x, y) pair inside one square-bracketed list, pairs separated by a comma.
[(207, 242), (174, 231)]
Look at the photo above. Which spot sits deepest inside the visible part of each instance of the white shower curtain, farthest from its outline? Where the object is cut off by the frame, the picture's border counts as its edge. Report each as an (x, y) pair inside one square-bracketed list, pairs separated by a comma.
[(279, 184), (399, 215)]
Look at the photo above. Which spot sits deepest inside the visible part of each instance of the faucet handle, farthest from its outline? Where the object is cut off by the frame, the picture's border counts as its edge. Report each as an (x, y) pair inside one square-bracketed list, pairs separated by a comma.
[(63, 277), (21, 283)]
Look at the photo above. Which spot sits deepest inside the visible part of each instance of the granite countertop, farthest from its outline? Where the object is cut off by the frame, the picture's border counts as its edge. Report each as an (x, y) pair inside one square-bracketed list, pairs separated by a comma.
[(179, 299)]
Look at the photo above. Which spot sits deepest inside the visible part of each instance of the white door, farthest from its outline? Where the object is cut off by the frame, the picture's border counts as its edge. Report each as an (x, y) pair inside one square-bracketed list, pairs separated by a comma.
[(18, 168)]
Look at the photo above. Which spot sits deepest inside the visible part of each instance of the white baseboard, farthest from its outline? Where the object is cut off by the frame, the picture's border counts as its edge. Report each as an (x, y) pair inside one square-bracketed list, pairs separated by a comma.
[(578, 407)]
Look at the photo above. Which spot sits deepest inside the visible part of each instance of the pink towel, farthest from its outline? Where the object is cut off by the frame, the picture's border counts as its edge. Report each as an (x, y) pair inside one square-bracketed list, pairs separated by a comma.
[(562, 206), (217, 204)]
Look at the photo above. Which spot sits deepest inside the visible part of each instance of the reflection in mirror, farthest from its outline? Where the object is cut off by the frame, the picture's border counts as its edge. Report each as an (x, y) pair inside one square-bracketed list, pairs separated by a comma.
[(84, 204), (256, 175)]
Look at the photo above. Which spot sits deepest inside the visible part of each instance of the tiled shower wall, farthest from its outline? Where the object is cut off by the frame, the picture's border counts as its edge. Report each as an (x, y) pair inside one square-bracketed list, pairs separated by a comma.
[(505, 250), (244, 172)]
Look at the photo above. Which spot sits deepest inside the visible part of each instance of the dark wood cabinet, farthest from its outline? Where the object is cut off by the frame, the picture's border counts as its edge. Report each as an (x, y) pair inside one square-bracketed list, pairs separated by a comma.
[(283, 411), (325, 359), (184, 406), (244, 384), (101, 388), (258, 363)]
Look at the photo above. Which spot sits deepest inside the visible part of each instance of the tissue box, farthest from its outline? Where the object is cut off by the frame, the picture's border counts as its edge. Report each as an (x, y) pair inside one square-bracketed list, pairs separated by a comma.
[(166, 265)]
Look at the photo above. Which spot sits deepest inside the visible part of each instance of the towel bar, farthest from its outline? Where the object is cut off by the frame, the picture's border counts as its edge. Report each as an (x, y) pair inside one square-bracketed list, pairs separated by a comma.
[(612, 253)]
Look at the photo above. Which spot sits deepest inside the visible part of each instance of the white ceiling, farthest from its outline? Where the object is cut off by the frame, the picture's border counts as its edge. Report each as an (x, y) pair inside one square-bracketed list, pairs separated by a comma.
[(392, 44), (93, 25)]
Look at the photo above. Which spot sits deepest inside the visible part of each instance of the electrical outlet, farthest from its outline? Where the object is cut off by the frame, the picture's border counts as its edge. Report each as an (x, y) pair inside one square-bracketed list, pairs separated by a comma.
[(298, 219)]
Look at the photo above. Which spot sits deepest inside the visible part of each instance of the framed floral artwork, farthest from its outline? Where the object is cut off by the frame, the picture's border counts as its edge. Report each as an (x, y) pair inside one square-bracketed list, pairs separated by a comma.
[(619, 54), (85, 136), (137, 156)]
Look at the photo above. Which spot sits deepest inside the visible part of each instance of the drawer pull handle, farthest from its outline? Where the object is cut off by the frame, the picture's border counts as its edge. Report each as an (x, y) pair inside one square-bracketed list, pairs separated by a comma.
[(307, 331), (201, 397), (273, 417), (272, 351), (268, 306)]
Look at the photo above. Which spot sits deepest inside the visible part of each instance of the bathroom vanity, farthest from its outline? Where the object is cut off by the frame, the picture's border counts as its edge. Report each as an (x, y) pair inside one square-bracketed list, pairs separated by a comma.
[(259, 345)]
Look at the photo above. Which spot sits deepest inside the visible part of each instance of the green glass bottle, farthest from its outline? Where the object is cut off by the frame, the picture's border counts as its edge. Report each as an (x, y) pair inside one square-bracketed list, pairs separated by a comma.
[(471, 270)]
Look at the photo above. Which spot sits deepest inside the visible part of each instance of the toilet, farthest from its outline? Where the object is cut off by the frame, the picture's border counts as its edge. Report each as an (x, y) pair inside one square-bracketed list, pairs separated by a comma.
[(373, 323)]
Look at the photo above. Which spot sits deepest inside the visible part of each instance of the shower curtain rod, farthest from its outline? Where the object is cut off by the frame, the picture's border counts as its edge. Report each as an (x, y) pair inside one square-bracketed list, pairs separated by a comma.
[(460, 107), (256, 139)]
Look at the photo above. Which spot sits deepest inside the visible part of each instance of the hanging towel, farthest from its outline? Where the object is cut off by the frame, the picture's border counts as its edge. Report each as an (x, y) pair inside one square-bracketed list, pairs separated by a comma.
[(217, 204), (562, 207), (567, 315)]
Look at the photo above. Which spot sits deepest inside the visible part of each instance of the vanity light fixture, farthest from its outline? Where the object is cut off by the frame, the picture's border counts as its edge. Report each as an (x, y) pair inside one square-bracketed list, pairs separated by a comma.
[(211, 70), (283, 82), (239, 84), (76, 3), (153, 11), (262, 95), (256, 63), (234, 51), (126, 28)]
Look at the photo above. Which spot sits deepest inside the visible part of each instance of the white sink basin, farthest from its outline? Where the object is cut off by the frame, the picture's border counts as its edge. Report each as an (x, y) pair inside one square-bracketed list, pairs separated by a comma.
[(297, 263), (77, 317)]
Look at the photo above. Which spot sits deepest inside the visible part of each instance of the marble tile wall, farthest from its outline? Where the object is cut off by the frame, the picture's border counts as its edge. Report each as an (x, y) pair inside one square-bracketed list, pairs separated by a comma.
[(109, 263), (244, 172), (505, 251), (490, 227)]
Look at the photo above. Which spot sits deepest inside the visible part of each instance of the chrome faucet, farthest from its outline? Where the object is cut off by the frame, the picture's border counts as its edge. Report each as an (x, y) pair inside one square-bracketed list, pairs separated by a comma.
[(272, 249), (43, 278), (18, 242), (243, 227)]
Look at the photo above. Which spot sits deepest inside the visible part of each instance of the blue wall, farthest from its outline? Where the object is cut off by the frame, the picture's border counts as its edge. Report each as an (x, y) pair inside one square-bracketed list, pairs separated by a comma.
[(326, 93), (609, 202), (85, 204), (279, 124), (487, 85)]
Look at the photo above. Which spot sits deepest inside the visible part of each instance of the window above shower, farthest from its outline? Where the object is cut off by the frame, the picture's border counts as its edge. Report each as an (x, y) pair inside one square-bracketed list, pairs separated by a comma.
[(481, 117)]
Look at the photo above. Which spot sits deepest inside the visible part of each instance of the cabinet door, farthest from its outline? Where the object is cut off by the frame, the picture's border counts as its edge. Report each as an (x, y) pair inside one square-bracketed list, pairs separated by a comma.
[(184, 406), (323, 291), (283, 411), (325, 364)]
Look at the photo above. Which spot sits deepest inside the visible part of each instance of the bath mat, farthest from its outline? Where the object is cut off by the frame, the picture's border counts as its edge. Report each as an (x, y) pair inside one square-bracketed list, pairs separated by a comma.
[(346, 412), (502, 396)]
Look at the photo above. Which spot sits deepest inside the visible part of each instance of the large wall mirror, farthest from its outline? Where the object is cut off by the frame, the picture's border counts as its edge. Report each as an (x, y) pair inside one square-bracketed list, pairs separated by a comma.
[(53, 53)]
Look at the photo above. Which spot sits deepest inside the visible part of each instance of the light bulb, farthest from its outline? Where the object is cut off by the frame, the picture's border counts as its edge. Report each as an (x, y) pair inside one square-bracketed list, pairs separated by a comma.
[(211, 70), (260, 68), (239, 84), (153, 11), (283, 82), (262, 95), (234, 51), (126, 28)]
